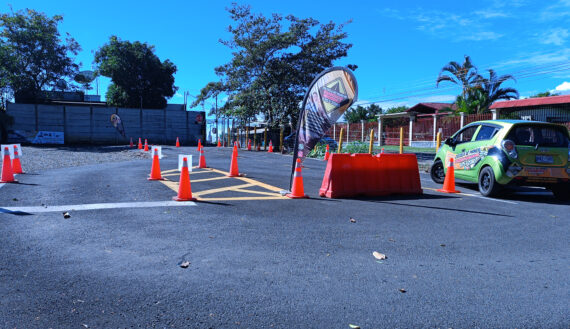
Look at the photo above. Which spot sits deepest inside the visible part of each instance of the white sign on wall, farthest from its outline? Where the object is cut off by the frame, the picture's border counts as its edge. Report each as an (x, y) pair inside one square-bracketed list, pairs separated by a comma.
[(48, 137)]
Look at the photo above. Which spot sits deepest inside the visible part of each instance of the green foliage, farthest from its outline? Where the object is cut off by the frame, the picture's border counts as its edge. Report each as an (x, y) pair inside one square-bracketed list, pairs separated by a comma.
[(139, 77), (478, 92), (274, 60), (359, 113), (544, 94), (397, 109), (319, 151), (33, 54), (463, 75), (355, 147)]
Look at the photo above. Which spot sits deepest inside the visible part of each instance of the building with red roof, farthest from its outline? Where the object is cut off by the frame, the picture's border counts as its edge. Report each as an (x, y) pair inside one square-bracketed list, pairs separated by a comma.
[(549, 109)]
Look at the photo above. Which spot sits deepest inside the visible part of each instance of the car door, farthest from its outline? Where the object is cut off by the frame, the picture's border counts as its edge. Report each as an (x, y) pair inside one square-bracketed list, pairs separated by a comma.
[(462, 142), (476, 150)]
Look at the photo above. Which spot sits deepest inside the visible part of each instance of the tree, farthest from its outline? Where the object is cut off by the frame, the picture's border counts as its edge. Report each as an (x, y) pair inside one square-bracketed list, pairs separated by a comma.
[(34, 56), (274, 61), (139, 78), (464, 75), (359, 113), (397, 109), (491, 87), (544, 94)]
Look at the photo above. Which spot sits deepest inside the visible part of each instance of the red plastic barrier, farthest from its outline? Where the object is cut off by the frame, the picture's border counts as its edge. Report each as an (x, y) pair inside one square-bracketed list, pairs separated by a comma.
[(362, 174)]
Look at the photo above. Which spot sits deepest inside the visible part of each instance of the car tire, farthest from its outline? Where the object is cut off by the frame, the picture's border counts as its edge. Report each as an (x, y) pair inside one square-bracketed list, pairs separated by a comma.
[(561, 192), (437, 172), (488, 186)]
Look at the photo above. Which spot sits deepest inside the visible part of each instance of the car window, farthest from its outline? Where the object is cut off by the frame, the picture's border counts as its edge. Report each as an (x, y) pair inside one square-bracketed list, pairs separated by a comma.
[(486, 132), (466, 134), (532, 135)]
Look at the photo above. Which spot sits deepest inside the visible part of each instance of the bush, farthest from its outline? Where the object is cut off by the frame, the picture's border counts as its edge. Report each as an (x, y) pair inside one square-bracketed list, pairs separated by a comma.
[(355, 147)]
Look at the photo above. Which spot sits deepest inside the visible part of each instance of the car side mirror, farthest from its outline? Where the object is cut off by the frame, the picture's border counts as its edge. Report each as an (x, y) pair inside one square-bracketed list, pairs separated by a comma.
[(449, 141)]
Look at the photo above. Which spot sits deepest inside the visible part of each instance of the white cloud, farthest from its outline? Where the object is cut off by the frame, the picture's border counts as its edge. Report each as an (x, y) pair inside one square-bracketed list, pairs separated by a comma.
[(563, 86), (443, 24), (178, 95), (560, 9), (556, 37)]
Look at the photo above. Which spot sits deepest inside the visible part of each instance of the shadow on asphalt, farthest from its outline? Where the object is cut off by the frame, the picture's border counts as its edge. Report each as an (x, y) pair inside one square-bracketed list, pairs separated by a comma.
[(214, 203), (520, 193), (16, 213), (442, 208)]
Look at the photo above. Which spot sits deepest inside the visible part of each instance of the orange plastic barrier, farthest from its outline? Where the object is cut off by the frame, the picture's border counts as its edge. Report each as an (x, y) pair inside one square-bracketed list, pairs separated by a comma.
[(362, 174)]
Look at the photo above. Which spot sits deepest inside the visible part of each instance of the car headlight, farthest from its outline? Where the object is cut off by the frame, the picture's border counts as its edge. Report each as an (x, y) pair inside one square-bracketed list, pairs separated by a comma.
[(510, 149)]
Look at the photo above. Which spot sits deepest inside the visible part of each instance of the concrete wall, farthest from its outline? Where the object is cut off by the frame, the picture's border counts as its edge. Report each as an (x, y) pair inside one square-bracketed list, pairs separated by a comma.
[(92, 124)]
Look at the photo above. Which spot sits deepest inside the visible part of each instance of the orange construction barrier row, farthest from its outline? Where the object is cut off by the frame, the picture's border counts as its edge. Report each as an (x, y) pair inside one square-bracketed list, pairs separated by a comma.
[(362, 174)]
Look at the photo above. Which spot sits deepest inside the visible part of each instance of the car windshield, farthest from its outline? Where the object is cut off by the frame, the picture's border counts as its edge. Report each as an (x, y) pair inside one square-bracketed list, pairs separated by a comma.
[(532, 135)]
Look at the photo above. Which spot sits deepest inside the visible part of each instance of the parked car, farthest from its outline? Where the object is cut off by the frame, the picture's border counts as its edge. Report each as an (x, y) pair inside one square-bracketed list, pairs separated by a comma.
[(498, 153), (289, 143)]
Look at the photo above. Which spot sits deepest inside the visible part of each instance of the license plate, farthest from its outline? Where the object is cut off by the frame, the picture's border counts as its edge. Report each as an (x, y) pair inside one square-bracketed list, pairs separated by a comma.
[(544, 159)]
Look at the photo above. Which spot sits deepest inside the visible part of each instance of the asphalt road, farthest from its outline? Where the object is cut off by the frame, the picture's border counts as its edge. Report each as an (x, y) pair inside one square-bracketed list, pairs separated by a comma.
[(464, 261)]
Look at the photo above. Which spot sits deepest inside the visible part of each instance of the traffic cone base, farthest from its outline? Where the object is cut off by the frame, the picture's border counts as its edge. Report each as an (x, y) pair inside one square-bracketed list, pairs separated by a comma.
[(449, 182)]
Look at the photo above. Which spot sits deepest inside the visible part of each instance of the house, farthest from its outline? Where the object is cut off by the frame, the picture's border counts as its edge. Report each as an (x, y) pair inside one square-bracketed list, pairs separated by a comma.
[(549, 109), (432, 108)]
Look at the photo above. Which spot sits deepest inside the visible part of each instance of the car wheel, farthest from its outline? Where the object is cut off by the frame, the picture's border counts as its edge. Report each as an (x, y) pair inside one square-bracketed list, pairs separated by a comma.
[(437, 173), (488, 186), (561, 192)]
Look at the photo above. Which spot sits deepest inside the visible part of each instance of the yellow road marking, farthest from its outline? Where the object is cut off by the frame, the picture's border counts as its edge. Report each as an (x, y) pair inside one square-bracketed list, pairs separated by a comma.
[(222, 189), (256, 192), (263, 195), (251, 181)]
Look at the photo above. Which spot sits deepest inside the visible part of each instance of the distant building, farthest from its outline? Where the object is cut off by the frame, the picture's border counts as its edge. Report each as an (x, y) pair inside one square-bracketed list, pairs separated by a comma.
[(549, 109), (432, 108)]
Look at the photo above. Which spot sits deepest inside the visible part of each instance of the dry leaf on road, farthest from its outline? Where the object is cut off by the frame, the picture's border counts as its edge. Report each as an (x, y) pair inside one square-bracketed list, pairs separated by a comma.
[(184, 264), (378, 255)]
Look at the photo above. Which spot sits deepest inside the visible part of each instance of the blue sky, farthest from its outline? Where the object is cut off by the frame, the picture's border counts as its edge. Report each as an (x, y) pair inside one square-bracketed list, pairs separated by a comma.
[(399, 46)]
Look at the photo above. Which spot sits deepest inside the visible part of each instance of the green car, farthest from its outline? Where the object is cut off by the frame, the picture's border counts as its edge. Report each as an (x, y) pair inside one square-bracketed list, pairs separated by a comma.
[(498, 153)]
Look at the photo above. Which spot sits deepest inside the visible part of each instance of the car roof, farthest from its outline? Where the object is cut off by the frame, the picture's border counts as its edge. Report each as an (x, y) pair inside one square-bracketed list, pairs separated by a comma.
[(509, 122)]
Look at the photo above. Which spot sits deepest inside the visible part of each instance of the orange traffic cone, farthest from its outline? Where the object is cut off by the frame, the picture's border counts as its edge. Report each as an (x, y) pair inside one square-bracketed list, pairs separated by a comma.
[(327, 154), (234, 172), (219, 144), (184, 187), (270, 147), (199, 145), (131, 144), (249, 145), (140, 144), (297, 191), (7, 174), (145, 145), (449, 182), (177, 142), (202, 160), (16, 165), (155, 168)]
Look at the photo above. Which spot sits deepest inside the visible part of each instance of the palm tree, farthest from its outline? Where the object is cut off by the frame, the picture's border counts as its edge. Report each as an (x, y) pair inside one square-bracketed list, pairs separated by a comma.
[(464, 75), (492, 87)]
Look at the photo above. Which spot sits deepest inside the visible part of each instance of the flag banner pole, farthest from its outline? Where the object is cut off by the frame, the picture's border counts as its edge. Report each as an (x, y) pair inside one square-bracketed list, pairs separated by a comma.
[(329, 95)]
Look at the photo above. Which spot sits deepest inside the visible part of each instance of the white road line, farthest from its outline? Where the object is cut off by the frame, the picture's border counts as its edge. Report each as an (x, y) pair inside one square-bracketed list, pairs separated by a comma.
[(95, 206)]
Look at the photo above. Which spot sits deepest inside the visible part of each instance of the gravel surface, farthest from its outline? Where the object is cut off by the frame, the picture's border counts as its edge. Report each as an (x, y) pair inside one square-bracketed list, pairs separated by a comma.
[(39, 158)]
